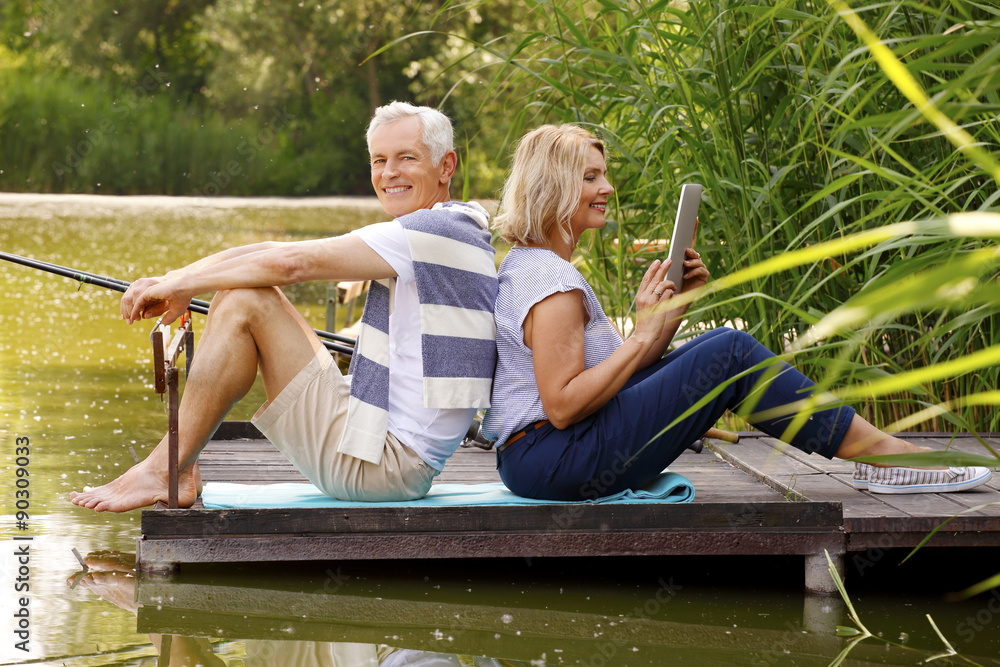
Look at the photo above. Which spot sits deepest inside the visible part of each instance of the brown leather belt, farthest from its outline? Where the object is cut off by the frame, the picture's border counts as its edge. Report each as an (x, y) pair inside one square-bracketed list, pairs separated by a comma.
[(520, 434)]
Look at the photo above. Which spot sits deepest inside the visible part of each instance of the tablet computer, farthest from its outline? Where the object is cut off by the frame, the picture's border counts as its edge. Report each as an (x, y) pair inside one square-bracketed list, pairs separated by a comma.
[(684, 229)]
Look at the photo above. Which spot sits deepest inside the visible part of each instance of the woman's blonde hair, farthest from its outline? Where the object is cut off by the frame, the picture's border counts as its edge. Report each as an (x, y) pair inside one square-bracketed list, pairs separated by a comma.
[(545, 182)]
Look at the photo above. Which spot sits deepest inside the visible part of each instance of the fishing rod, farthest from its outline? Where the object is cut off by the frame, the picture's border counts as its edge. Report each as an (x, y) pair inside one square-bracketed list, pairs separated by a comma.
[(329, 340)]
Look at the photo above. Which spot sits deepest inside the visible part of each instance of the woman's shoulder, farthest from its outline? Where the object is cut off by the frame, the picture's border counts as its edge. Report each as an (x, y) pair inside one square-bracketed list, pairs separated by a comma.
[(529, 275), (538, 266)]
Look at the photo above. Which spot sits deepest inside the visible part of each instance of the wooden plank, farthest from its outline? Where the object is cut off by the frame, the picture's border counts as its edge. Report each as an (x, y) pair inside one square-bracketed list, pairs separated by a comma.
[(800, 480), (231, 461), (934, 505), (969, 445), (723, 485), (379, 546), (864, 534), (857, 503), (963, 443), (966, 530), (740, 508), (766, 459), (734, 516)]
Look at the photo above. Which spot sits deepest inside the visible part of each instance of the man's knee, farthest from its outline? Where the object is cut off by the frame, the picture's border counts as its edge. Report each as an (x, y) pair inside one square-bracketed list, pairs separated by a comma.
[(247, 302)]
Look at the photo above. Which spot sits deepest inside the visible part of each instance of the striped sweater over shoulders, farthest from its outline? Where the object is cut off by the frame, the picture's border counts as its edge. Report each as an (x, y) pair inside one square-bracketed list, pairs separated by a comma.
[(455, 275)]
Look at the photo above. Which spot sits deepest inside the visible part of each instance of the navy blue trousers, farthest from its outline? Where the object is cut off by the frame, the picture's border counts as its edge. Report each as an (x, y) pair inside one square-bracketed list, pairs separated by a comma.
[(621, 445)]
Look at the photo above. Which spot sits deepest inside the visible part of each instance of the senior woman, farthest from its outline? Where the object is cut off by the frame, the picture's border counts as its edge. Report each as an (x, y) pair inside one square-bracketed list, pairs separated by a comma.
[(579, 413)]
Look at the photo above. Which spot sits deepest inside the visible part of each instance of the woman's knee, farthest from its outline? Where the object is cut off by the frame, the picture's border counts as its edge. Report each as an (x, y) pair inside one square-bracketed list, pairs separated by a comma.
[(742, 345), (737, 337)]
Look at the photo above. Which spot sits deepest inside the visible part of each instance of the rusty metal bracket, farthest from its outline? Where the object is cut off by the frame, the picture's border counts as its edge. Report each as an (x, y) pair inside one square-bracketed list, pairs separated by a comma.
[(166, 352)]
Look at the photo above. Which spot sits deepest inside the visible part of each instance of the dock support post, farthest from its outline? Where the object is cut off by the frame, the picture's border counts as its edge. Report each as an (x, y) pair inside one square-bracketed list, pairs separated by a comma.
[(818, 579), (145, 566), (821, 614)]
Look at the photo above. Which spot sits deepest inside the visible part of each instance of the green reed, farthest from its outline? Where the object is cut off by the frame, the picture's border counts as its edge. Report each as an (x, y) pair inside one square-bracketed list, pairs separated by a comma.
[(802, 131)]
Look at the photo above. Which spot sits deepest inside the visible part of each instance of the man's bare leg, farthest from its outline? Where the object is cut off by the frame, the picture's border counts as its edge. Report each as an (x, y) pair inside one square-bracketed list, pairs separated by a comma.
[(246, 329)]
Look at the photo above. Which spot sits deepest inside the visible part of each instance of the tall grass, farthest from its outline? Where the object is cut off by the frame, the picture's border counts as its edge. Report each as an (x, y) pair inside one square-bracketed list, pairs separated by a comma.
[(788, 118)]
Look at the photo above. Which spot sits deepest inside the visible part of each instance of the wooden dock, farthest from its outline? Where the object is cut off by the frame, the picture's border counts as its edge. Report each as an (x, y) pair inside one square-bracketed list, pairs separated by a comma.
[(751, 500)]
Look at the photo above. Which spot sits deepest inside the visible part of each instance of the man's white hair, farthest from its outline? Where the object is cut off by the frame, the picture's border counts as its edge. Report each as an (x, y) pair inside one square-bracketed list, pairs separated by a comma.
[(437, 133)]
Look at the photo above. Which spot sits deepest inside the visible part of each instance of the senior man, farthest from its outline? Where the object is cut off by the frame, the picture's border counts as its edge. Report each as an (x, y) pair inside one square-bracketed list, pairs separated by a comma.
[(425, 355)]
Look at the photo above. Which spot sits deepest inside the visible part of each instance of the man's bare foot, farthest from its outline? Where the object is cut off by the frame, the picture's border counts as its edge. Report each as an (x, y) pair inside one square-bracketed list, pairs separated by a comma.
[(140, 486), (110, 561), (116, 587)]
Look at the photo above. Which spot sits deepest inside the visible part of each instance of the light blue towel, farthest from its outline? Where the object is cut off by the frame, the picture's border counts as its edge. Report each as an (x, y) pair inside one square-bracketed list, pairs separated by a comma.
[(668, 487)]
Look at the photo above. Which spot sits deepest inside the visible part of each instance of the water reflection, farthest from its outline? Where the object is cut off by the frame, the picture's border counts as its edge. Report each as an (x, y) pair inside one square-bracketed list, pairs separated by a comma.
[(331, 618), (112, 577), (316, 654)]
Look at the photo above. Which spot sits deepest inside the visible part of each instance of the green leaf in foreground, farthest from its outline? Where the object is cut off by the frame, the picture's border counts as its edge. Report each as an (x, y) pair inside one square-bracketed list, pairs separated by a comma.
[(932, 459)]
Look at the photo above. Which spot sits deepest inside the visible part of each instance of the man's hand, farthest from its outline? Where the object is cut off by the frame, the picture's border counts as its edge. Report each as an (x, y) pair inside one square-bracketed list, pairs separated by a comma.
[(153, 297)]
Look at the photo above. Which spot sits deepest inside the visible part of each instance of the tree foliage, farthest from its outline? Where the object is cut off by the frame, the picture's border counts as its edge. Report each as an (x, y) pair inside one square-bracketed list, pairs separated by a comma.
[(224, 69)]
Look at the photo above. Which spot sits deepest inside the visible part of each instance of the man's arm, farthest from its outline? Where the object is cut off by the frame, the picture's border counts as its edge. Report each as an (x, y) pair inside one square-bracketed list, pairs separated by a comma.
[(222, 256), (273, 264), (142, 284)]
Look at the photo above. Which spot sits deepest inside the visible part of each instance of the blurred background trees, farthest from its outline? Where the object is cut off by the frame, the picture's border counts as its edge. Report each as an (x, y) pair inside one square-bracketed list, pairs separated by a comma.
[(233, 97)]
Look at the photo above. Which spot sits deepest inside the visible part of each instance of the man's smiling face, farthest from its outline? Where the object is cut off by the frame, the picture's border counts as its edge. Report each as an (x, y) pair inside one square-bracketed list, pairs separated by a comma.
[(403, 174)]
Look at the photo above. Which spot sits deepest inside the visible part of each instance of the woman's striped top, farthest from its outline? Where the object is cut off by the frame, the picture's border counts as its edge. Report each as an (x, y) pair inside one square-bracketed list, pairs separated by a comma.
[(528, 275)]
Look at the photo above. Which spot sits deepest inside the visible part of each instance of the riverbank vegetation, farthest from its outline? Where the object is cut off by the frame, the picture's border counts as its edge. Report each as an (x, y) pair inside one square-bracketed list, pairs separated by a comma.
[(818, 137)]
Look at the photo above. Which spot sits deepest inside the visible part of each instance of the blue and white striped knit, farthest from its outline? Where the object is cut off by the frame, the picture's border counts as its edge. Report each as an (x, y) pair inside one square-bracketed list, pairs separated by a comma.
[(456, 283)]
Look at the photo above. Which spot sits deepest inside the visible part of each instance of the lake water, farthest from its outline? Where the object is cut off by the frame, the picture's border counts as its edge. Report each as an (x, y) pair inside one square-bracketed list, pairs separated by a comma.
[(76, 390)]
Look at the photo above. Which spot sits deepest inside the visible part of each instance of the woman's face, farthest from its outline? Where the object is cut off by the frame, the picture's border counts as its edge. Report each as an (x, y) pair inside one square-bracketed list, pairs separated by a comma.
[(594, 197)]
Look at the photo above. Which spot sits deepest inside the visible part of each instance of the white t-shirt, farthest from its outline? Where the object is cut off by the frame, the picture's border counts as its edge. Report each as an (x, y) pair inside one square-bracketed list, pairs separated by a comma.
[(433, 433)]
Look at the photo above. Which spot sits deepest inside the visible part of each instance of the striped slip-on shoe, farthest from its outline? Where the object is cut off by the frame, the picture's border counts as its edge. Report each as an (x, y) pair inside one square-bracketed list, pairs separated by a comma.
[(921, 480), (862, 471)]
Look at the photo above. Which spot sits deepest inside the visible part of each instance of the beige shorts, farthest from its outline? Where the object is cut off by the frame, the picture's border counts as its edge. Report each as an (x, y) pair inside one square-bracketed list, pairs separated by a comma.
[(305, 422)]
